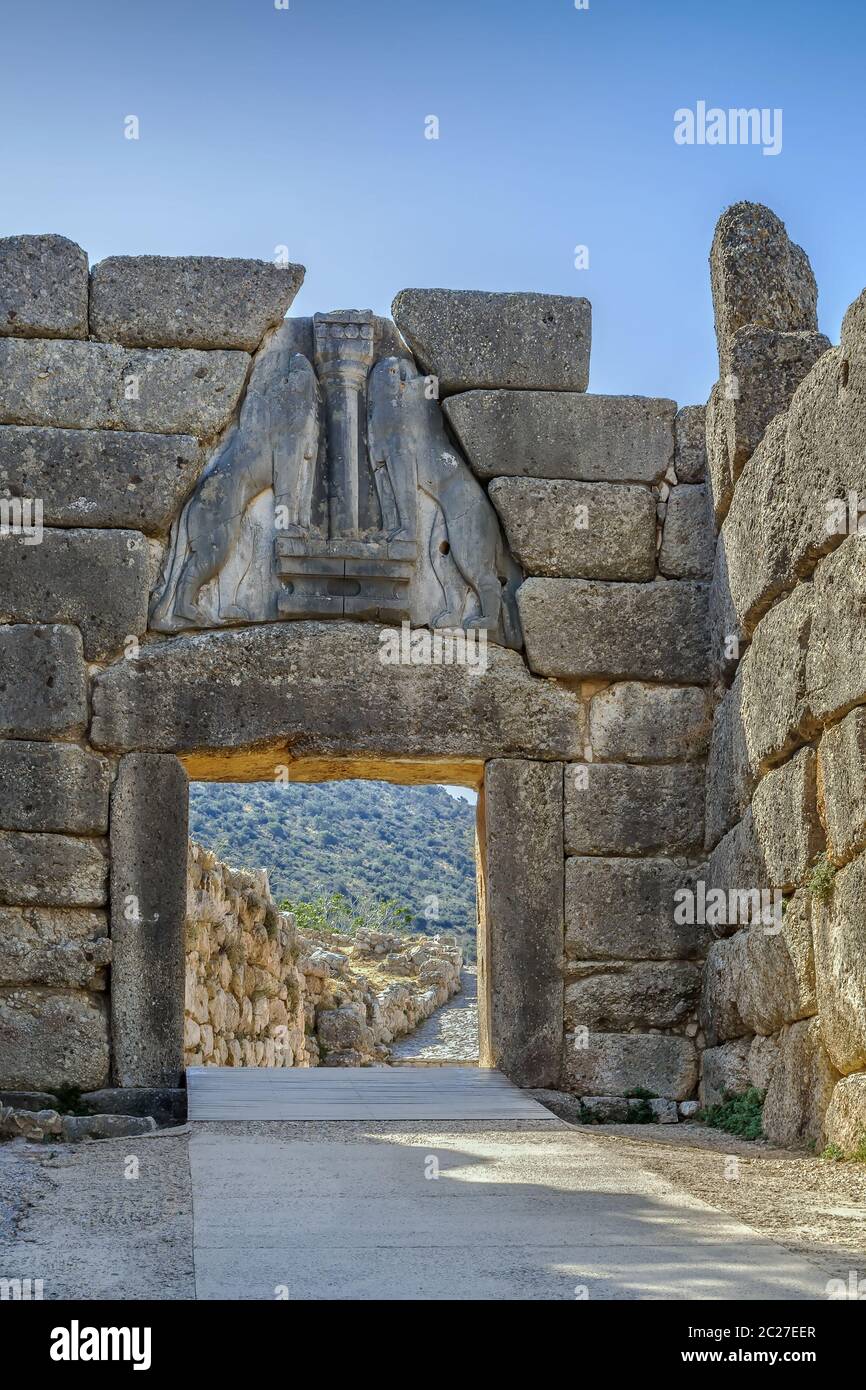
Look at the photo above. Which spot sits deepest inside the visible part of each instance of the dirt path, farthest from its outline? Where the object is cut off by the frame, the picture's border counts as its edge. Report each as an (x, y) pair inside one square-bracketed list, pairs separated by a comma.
[(451, 1034)]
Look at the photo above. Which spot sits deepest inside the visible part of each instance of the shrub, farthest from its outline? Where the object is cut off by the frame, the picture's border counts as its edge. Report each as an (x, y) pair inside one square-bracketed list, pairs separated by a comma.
[(737, 1114)]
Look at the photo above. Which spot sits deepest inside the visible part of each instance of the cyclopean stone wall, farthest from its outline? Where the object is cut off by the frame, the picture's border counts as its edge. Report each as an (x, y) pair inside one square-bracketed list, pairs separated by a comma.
[(260, 994), (784, 1001), (586, 732)]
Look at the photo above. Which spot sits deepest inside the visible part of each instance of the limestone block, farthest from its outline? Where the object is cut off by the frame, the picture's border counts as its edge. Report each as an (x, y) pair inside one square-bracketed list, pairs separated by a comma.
[(761, 978), (636, 722), (737, 862), (623, 909), (839, 927), (581, 530), (690, 444), (582, 628), (523, 894), (53, 786), (615, 810), (729, 776), (758, 275), (50, 1039), (189, 301), (845, 1121), (59, 947), (469, 339), (775, 706), (613, 1064), (149, 815), (96, 579), (43, 685), (720, 474), (53, 870), (688, 539), (800, 1087), (842, 785), (99, 477), (100, 386), (725, 1071), (755, 575), (43, 287), (765, 369), (763, 1055), (564, 434), (323, 690), (619, 997), (836, 658), (787, 827)]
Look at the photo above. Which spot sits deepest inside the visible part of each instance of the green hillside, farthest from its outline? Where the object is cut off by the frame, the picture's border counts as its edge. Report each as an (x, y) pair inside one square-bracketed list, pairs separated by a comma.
[(412, 844)]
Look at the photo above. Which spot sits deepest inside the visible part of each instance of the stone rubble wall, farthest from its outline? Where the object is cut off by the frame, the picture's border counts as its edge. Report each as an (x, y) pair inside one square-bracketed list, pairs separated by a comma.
[(784, 1008), (260, 994)]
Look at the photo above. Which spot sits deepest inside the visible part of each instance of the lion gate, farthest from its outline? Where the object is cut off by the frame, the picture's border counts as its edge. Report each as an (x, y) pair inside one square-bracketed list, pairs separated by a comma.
[(412, 549)]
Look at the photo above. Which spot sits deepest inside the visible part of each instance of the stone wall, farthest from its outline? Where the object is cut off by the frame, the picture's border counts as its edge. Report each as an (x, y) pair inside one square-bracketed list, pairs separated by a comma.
[(589, 738), (260, 994), (784, 1000)]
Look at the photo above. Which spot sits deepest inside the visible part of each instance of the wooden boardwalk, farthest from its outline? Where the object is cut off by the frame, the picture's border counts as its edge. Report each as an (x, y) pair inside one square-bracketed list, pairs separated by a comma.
[(357, 1093)]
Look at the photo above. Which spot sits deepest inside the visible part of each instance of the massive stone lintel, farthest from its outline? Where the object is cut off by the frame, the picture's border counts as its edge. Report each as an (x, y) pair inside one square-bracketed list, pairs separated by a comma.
[(310, 689)]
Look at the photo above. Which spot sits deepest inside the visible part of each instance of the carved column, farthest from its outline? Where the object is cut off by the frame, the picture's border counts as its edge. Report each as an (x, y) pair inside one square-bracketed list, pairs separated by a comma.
[(344, 356)]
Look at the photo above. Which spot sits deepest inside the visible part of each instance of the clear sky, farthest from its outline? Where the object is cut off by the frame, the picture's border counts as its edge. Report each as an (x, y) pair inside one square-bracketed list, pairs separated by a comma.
[(304, 127)]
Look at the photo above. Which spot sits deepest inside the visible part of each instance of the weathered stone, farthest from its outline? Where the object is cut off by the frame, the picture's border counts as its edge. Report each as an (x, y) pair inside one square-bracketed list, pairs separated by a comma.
[(842, 786), (99, 477), (635, 722), (63, 947), (581, 530), (774, 707), (43, 287), (100, 386), (753, 576), (690, 444), (720, 478), (836, 659), (52, 1039), (665, 1112), (787, 827), (76, 1127), (758, 276), (53, 870), (314, 689), (688, 538), (737, 864), (189, 301), (166, 1104), (343, 1030), (600, 1110), (618, 997), (729, 776), (52, 786), (761, 978), (43, 684), (97, 579), (765, 370), (800, 1087), (725, 1071), (28, 1100), (581, 628), (557, 434), (469, 339), (845, 1121), (839, 927), (615, 1063), (763, 1056), (149, 815), (623, 909), (524, 932), (613, 809)]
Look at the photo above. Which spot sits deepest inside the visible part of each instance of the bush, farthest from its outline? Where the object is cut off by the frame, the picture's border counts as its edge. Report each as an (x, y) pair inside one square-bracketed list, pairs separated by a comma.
[(737, 1114)]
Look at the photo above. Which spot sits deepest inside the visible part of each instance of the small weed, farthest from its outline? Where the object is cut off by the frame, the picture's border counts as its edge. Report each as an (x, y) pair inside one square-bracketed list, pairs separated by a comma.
[(640, 1114), (70, 1101), (833, 1154), (820, 882), (737, 1114)]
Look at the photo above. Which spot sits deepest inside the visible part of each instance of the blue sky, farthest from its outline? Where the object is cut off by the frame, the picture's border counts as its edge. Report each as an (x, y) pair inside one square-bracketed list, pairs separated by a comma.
[(304, 127)]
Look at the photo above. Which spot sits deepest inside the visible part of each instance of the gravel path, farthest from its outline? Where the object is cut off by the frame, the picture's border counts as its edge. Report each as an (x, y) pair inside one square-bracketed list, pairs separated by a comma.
[(451, 1034)]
